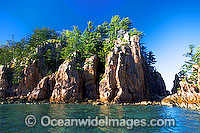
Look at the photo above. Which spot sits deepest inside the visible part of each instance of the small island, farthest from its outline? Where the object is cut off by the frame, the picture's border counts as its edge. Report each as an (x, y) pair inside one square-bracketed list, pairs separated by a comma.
[(105, 64)]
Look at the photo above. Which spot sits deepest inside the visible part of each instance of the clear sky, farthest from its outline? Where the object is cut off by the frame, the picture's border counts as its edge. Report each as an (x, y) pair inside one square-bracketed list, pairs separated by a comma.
[(170, 25)]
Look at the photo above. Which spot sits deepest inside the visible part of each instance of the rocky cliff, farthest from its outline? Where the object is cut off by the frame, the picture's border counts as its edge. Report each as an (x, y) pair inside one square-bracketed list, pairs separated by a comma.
[(31, 77), (176, 84), (69, 82), (127, 77), (43, 90), (90, 77), (3, 81), (75, 82)]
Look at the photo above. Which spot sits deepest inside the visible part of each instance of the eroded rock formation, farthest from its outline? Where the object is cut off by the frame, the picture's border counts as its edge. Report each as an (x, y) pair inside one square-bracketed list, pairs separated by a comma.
[(127, 77), (187, 97), (176, 84), (90, 70), (44, 89), (69, 82), (3, 81), (30, 79)]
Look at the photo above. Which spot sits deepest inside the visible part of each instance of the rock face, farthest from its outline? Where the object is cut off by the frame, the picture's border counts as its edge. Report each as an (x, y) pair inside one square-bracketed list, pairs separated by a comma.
[(73, 84), (176, 84), (154, 84), (127, 77), (30, 79), (124, 78), (3, 82), (90, 88), (47, 62), (68, 87), (44, 89), (159, 85)]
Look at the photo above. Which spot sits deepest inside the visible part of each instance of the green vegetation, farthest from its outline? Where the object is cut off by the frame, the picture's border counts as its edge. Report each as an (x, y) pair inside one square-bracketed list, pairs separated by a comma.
[(97, 40), (19, 54), (149, 56), (188, 72)]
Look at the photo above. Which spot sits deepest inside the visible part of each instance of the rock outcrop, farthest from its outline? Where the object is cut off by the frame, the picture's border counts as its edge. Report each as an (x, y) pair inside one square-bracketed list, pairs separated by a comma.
[(184, 99), (75, 82), (185, 94), (90, 73), (30, 79), (69, 82), (154, 84), (46, 64), (3, 81), (43, 90), (125, 79), (176, 84)]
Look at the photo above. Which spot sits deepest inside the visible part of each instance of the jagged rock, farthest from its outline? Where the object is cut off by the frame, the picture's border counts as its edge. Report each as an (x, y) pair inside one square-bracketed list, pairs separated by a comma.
[(119, 81), (44, 89), (37, 70), (30, 79), (3, 81), (68, 87), (176, 84), (90, 77), (125, 77), (185, 98), (160, 85)]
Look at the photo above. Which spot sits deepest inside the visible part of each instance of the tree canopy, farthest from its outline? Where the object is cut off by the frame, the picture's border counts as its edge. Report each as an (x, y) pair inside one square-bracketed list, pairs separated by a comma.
[(187, 70)]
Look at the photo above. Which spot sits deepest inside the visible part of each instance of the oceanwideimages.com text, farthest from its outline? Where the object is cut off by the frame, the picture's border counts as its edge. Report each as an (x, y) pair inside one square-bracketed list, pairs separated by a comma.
[(46, 121)]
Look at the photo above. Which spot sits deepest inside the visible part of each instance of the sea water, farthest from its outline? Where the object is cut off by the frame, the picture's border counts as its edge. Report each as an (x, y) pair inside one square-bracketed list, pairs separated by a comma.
[(12, 117)]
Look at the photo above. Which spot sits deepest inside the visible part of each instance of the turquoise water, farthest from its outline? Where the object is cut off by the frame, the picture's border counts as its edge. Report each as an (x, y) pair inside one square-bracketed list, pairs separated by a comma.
[(12, 117)]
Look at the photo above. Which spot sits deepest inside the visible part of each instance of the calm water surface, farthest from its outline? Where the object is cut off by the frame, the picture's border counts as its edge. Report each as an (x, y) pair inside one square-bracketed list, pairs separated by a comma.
[(12, 117)]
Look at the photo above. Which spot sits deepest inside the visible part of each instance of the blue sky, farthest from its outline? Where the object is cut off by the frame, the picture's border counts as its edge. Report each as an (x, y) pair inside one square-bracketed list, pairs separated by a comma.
[(170, 25)]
